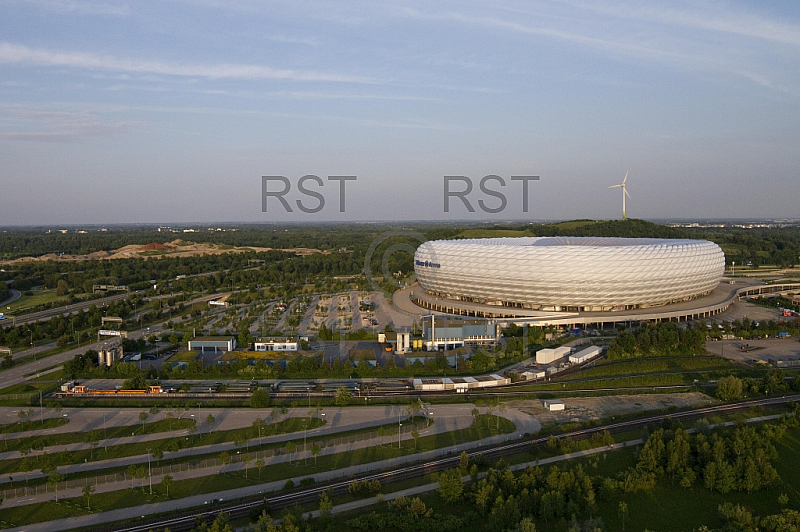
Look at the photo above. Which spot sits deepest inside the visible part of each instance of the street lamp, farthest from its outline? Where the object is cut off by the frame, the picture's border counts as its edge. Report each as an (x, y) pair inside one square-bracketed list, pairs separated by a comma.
[(149, 473), (305, 432), (399, 431)]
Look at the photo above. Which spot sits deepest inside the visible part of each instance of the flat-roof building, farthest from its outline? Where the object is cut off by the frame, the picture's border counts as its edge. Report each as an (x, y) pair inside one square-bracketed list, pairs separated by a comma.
[(277, 343), (212, 344)]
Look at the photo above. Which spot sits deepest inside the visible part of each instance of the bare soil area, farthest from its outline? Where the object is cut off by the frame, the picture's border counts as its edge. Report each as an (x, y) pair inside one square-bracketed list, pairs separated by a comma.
[(176, 248), (593, 408)]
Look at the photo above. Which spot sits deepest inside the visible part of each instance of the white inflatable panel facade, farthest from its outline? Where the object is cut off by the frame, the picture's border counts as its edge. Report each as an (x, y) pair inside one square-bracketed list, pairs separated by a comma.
[(569, 273)]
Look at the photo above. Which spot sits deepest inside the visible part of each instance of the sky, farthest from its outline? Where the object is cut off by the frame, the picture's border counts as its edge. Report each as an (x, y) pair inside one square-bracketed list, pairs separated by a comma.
[(173, 111)]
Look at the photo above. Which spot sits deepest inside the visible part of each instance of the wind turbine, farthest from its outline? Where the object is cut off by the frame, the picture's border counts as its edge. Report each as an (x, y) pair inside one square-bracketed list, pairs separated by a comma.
[(624, 192)]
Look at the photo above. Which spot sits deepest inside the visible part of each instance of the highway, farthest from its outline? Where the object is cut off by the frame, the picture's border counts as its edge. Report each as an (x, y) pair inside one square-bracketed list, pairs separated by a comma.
[(44, 315)]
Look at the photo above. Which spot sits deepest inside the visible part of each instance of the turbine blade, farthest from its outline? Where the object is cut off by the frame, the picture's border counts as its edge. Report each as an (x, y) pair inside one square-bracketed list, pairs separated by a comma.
[(626, 177), (626, 192), (614, 186)]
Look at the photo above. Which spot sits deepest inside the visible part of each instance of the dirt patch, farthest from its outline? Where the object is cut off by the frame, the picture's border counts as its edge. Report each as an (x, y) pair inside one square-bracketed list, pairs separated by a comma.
[(177, 248), (594, 408)]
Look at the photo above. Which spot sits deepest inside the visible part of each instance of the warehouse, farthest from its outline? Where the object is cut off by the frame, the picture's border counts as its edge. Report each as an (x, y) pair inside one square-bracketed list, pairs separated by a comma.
[(585, 355), (550, 355), (212, 344)]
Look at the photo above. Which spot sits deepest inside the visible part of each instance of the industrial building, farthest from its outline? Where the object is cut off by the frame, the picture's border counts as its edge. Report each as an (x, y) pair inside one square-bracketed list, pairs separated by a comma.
[(212, 344), (399, 342), (459, 384), (554, 405), (550, 355), (107, 355), (277, 343), (569, 274), (532, 375), (584, 355), (447, 334)]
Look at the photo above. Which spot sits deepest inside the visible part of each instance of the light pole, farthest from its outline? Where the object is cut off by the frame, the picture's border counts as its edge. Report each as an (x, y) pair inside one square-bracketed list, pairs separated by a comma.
[(399, 432), (305, 432), (149, 473)]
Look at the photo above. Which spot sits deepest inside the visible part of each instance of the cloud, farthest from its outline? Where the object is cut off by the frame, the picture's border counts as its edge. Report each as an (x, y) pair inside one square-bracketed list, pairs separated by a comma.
[(58, 126), (744, 24), (703, 41), (80, 8), (19, 54)]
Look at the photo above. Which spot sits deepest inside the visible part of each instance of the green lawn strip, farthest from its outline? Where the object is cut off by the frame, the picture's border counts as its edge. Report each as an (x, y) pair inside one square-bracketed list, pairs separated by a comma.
[(664, 379), (143, 448), (193, 440), (659, 365), (99, 434), (33, 424), (31, 388), (484, 426)]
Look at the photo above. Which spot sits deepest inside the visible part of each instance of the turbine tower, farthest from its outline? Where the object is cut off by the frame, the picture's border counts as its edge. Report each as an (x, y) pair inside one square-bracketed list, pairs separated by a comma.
[(624, 192)]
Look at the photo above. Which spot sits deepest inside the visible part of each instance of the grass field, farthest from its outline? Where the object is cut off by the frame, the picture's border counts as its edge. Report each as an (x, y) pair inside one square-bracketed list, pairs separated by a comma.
[(38, 297), (653, 365)]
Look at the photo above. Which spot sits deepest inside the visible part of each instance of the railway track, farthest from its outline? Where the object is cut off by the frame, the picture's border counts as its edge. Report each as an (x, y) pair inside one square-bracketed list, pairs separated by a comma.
[(243, 508)]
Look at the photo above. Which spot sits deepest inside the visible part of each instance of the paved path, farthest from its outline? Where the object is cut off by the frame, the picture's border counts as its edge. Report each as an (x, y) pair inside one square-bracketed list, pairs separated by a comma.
[(447, 418), (450, 418)]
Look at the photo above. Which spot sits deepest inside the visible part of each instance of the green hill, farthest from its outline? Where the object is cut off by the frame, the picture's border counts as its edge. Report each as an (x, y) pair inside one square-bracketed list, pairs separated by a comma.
[(630, 228)]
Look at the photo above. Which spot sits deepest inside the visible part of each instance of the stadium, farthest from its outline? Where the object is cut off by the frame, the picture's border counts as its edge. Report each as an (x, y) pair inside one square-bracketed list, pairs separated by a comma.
[(569, 274)]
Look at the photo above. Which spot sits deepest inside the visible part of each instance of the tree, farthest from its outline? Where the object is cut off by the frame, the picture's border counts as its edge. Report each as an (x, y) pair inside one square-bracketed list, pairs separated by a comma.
[(258, 425), (169, 416), (54, 478), (343, 396), (623, 513), (450, 485), (210, 420), (224, 459), (246, 459), (463, 463), (260, 465), (166, 482), (143, 417), (290, 447), (526, 525), (729, 388), (62, 288), (131, 472), (88, 489), (325, 504), (774, 381), (259, 398), (315, 452)]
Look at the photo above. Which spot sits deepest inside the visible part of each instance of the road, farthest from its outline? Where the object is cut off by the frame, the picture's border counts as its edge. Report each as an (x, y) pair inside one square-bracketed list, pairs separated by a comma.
[(15, 294), (505, 445), (44, 315), (19, 374)]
